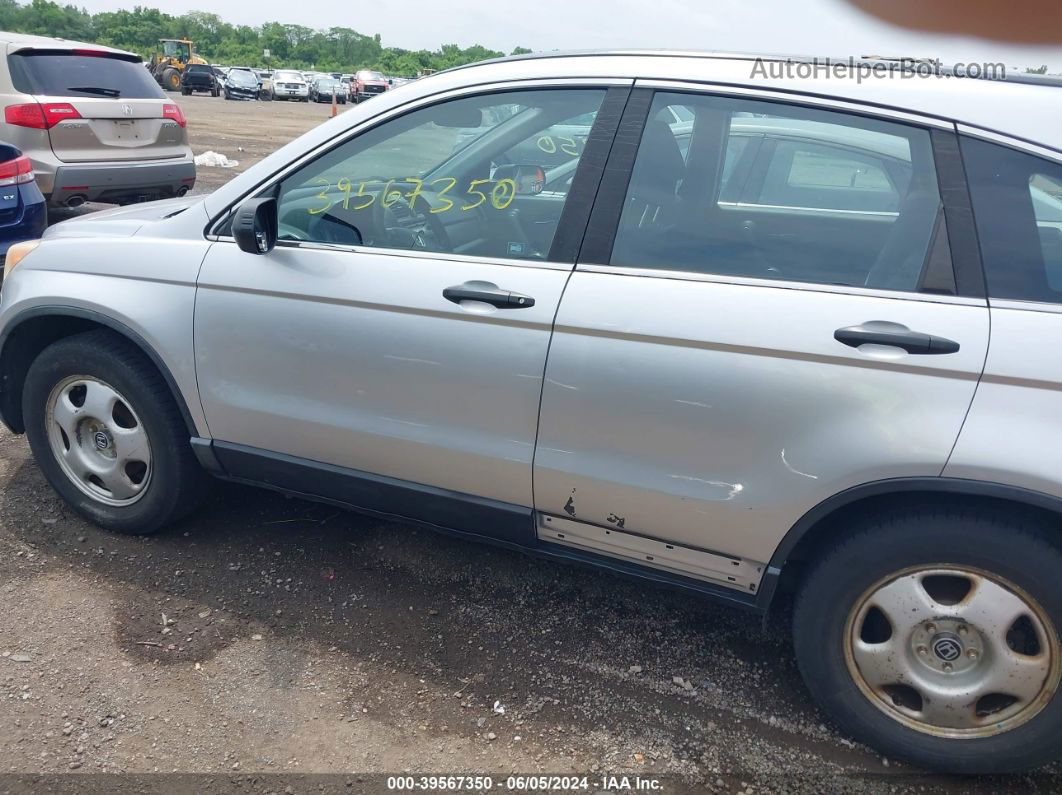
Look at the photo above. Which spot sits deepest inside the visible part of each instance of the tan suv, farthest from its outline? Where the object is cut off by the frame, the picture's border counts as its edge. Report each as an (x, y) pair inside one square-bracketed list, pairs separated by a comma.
[(93, 121)]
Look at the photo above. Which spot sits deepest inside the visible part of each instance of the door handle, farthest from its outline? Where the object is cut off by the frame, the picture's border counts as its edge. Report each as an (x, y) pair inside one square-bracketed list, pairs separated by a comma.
[(487, 293), (879, 332)]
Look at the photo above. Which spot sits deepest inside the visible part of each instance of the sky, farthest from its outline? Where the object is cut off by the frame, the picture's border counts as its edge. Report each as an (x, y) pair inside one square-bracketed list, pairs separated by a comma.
[(798, 27)]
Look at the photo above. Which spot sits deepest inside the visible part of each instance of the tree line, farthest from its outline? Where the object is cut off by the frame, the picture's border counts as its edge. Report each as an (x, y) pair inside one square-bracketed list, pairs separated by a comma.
[(296, 46)]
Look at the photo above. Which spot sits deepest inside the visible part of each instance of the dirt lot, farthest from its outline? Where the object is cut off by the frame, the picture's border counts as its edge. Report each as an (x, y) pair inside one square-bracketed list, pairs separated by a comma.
[(268, 635)]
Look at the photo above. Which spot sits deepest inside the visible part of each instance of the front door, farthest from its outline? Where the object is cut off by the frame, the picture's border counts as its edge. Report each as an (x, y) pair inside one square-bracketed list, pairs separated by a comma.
[(389, 351)]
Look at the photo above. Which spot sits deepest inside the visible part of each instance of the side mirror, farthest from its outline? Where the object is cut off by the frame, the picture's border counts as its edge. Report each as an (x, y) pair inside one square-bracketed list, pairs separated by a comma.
[(255, 225)]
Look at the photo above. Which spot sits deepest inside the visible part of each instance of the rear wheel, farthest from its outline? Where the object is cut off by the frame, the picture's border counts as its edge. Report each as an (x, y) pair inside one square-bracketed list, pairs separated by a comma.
[(107, 434), (935, 638), (186, 91)]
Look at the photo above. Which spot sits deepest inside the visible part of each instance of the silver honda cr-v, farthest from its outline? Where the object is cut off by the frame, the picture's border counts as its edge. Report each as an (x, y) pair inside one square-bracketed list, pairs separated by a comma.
[(648, 312)]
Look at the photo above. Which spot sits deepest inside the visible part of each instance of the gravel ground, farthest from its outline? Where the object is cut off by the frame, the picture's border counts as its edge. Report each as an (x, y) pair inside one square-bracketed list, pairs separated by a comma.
[(273, 636)]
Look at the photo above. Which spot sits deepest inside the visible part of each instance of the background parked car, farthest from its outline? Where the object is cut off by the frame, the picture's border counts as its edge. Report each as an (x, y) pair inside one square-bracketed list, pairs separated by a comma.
[(241, 83), (23, 209), (289, 84), (368, 83), (199, 77), (93, 122), (324, 87)]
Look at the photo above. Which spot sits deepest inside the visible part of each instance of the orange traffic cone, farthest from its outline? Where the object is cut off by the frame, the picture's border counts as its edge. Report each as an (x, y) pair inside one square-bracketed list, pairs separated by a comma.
[(335, 110)]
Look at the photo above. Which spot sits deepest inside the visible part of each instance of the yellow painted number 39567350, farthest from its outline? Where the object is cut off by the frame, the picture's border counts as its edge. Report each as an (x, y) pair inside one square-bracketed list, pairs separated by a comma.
[(499, 196)]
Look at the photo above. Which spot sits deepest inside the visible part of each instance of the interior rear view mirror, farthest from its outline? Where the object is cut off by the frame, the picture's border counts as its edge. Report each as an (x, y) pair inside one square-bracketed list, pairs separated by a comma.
[(529, 179), (254, 225), (457, 114)]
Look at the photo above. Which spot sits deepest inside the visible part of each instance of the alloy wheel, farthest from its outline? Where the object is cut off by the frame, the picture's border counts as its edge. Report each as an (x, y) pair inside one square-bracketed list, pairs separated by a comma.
[(98, 440), (952, 651)]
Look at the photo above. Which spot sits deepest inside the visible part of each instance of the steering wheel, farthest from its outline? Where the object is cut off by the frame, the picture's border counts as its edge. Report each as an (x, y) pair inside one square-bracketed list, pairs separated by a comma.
[(381, 214)]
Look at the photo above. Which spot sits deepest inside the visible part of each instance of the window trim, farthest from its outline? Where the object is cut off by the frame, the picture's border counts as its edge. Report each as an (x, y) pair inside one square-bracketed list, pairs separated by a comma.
[(818, 101), (270, 180), (782, 284), (442, 256), (600, 238)]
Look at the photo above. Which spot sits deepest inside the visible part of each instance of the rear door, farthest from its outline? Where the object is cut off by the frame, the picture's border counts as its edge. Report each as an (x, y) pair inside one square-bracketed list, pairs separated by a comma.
[(100, 105), (706, 387)]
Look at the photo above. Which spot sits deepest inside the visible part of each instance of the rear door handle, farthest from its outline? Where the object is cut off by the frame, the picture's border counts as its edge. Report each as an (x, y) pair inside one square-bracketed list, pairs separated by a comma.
[(487, 293), (879, 332)]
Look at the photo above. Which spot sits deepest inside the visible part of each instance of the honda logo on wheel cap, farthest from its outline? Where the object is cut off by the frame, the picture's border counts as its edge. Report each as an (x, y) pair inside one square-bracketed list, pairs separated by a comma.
[(947, 649)]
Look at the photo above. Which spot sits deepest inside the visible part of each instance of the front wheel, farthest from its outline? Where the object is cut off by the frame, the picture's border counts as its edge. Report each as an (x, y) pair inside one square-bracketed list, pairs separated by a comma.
[(171, 79), (934, 637), (108, 435)]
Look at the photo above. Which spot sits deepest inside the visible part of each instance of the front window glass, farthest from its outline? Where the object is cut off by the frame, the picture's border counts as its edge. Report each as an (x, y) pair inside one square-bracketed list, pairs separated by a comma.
[(466, 176), (242, 77)]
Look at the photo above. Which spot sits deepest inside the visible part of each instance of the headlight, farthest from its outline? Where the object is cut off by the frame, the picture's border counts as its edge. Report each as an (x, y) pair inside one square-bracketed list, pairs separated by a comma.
[(17, 253)]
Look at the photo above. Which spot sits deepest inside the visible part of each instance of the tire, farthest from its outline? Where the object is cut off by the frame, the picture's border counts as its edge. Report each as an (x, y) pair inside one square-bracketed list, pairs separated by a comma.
[(172, 484), (186, 91), (171, 79), (214, 92), (1005, 563)]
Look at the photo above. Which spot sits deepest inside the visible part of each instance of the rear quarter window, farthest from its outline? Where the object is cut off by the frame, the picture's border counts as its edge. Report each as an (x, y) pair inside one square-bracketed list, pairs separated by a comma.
[(58, 73), (1017, 202)]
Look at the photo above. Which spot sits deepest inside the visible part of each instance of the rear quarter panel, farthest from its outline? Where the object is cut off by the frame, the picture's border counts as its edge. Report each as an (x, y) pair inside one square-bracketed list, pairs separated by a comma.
[(1012, 434)]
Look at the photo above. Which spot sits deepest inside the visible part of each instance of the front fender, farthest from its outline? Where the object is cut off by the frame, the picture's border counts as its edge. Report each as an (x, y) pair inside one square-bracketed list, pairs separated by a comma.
[(149, 297)]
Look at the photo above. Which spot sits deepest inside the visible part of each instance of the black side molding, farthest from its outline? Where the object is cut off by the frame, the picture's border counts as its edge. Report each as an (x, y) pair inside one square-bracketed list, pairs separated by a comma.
[(377, 494)]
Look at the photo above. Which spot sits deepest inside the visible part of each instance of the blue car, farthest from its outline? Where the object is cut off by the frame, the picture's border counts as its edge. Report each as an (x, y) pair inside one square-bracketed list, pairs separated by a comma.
[(23, 213)]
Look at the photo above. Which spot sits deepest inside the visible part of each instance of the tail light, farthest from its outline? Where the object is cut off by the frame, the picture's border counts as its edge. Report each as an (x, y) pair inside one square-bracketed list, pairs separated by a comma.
[(174, 113), (40, 116), (17, 171)]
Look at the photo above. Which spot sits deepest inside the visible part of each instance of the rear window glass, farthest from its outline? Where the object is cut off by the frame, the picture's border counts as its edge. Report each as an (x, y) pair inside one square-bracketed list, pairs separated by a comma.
[(196, 67), (67, 74)]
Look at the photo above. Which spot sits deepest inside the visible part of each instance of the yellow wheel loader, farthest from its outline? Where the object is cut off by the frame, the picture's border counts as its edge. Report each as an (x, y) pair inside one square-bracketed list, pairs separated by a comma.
[(169, 64)]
